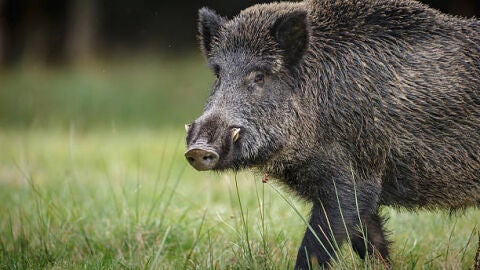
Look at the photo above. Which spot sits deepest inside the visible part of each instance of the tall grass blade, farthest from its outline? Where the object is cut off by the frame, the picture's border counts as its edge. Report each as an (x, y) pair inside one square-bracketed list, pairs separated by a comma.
[(244, 222)]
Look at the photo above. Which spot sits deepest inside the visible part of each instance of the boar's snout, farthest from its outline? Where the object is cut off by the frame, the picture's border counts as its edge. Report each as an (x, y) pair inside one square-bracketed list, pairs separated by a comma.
[(202, 159), (212, 143)]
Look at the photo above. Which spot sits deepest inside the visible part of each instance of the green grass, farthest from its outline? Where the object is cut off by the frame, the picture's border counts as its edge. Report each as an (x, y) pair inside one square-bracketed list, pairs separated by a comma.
[(125, 199), (92, 176), (154, 91)]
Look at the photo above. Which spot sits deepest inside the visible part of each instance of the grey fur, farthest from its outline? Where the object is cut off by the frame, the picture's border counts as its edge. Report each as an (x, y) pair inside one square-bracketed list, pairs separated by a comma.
[(382, 101)]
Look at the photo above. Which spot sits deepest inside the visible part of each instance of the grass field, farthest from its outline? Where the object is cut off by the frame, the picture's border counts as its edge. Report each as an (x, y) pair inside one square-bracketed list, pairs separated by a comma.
[(92, 176)]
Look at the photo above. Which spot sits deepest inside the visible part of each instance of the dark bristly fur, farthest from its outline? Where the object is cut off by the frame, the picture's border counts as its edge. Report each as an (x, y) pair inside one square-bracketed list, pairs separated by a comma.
[(476, 266), (353, 104)]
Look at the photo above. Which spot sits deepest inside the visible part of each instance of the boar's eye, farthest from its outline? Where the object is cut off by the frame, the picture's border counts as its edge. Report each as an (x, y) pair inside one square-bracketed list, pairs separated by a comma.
[(256, 78), (259, 78)]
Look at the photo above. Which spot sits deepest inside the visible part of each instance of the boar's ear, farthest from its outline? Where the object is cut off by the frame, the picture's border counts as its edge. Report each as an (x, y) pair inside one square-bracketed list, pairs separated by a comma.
[(208, 26), (291, 33)]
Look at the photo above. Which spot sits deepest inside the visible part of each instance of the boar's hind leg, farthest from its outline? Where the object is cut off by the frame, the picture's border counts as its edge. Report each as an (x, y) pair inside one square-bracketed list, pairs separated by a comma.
[(477, 257), (376, 243), (328, 226)]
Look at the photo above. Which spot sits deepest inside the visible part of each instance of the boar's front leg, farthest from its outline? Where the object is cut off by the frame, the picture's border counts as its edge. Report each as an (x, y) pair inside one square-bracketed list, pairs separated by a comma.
[(335, 218), (371, 239)]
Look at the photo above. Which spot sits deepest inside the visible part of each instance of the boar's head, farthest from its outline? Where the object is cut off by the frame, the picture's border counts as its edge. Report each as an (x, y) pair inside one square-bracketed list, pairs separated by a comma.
[(252, 112)]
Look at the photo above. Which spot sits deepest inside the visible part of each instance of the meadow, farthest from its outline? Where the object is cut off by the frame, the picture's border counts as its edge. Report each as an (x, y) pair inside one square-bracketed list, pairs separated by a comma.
[(92, 176)]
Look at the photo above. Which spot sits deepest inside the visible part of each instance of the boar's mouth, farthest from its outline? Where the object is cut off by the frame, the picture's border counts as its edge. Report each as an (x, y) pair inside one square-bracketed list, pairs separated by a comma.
[(213, 150)]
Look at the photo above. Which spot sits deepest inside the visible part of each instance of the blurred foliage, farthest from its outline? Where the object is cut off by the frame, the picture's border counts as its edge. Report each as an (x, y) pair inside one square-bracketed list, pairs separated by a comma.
[(64, 31), (52, 72), (149, 91)]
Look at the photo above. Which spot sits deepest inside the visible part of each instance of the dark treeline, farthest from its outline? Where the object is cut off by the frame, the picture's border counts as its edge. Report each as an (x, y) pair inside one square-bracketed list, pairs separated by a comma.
[(63, 31)]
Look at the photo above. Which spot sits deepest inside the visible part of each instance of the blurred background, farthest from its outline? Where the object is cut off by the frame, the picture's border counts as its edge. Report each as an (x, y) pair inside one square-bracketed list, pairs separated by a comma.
[(104, 62)]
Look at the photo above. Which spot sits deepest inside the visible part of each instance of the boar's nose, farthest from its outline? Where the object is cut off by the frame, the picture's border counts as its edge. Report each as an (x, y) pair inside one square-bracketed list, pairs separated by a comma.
[(201, 159)]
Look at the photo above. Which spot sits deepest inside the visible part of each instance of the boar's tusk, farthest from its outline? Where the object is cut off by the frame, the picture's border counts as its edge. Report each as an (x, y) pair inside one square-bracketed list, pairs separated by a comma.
[(236, 133), (187, 127)]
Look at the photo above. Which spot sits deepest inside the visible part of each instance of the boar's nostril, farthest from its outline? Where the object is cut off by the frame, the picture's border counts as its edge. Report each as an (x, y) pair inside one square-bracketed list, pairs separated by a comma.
[(207, 158), (202, 159)]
